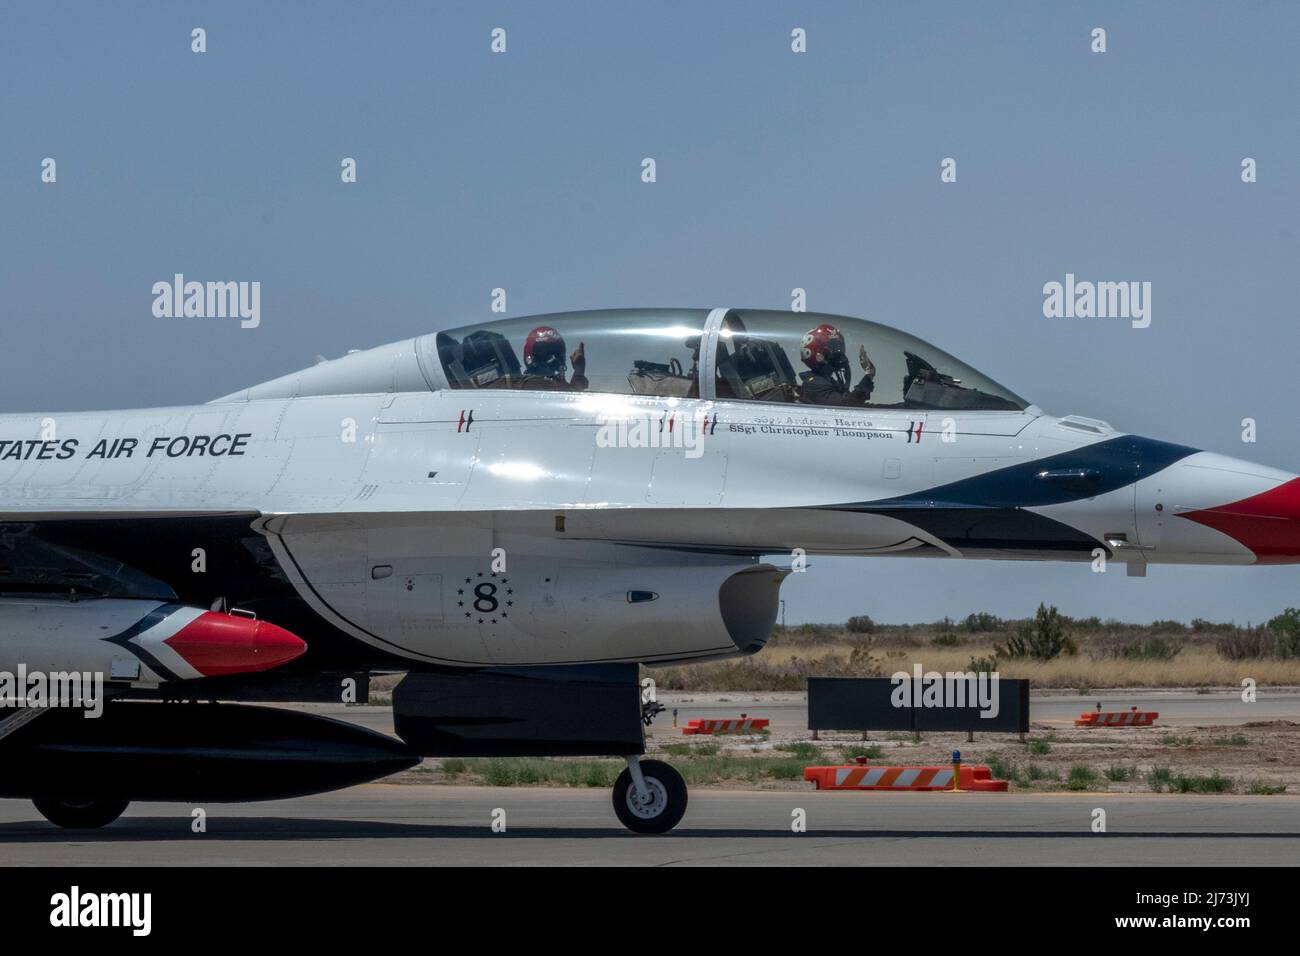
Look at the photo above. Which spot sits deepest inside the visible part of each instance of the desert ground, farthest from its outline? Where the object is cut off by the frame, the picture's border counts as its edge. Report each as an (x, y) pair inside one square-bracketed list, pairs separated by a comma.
[(1210, 739)]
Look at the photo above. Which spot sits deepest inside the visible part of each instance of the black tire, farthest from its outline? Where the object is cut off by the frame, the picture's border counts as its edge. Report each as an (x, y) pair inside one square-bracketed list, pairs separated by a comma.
[(80, 813), (668, 799)]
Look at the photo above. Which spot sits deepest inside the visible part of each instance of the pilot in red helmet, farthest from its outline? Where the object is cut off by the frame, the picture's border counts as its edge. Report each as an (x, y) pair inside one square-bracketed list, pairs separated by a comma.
[(827, 381), (544, 361)]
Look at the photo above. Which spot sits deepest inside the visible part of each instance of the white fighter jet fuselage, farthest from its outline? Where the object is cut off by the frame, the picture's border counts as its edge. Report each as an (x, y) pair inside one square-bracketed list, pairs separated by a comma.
[(390, 518), (589, 489)]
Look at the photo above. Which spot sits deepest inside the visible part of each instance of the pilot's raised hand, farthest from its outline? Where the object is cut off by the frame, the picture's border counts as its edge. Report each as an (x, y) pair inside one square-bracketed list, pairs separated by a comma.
[(864, 360), (579, 359)]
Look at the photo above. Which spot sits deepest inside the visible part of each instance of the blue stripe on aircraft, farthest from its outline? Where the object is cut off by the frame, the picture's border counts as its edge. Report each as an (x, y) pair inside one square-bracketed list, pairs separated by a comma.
[(1070, 476), (986, 515)]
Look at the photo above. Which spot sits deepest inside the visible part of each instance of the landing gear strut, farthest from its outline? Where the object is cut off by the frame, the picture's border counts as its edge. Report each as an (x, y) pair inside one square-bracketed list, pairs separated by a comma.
[(649, 796), (78, 813)]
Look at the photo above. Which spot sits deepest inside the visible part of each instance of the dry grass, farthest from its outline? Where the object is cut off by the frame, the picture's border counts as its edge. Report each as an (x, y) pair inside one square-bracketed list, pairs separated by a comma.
[(1193, 667), (793, 657), (1109, 654), (772, 669)]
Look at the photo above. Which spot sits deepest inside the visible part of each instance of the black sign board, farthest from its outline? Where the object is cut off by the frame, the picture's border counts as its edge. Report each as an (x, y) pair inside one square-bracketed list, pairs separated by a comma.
[(883, 703)]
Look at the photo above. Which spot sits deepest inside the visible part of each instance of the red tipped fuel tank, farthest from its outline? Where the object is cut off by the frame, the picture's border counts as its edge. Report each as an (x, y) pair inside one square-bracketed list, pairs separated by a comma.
[(215, 644)]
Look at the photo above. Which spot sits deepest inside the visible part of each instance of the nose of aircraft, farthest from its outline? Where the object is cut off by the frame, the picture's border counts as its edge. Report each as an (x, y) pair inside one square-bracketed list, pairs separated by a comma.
[(1251, 506)]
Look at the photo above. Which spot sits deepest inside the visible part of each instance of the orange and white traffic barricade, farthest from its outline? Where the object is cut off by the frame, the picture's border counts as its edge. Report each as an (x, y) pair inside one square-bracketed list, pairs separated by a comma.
[(1117, 718), (863, 777), (743, 724)]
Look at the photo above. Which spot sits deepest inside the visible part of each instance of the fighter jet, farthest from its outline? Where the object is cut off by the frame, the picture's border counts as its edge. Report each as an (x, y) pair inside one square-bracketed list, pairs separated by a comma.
[(520, 515)]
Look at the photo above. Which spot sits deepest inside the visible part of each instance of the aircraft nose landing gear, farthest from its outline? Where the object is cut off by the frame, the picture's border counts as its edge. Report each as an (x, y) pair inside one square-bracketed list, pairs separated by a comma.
[(649, 796)]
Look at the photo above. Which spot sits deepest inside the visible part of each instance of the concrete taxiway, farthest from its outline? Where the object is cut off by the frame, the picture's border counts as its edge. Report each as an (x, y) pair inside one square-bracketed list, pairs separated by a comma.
[(380, 824), (390, 823)]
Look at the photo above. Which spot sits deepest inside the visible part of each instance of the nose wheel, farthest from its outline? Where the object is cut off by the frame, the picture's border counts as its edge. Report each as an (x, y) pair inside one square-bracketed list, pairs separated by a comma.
[(649, 796)]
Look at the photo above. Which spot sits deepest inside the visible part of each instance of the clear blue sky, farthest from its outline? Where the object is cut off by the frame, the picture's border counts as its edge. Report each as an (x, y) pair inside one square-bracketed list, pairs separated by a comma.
[(775, 170)]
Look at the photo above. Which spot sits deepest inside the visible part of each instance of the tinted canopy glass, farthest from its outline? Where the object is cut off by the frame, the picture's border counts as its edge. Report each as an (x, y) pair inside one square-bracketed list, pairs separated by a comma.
[(817, 359), (629, 352), (765, 356)]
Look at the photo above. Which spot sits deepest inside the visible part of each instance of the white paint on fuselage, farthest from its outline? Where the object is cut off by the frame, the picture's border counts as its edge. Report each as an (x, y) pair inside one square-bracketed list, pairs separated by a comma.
[(760, 470)]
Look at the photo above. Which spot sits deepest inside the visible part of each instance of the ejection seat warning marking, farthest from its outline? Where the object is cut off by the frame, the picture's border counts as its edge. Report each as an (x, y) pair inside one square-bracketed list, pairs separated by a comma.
[(707, 425), (486, 597)]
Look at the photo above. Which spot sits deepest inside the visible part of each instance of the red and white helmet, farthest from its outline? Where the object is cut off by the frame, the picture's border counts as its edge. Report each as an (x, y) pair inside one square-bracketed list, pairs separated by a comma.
[(544, 351), (823, 348)]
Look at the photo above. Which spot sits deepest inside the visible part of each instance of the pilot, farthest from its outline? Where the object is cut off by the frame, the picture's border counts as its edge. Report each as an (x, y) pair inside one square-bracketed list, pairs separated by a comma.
[(827, 381), (544, 362)]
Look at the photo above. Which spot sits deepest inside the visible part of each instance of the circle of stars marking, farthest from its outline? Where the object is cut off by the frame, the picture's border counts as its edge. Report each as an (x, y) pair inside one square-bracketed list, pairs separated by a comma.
[(460, 592)]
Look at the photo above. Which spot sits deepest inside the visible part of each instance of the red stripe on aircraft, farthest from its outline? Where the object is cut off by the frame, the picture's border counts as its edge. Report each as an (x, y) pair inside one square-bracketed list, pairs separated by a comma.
[(1267, 523)]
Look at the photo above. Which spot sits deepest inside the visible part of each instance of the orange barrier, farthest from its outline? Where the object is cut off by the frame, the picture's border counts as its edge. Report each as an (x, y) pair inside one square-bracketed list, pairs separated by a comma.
[(726, 725), (862, 777), (1117, 718)]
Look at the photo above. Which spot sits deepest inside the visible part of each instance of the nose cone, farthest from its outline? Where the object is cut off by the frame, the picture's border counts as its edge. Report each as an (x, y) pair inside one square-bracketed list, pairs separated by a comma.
[(216, 644), (1267, 522)]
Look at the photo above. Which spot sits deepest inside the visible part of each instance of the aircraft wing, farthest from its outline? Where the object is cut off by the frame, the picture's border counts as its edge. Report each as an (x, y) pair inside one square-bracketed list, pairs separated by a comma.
[(127, 554)]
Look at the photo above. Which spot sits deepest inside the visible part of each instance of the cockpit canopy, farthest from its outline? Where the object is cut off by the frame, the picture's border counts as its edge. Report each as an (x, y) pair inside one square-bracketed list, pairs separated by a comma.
[(740, 354), (748, 355)]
